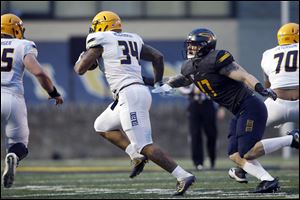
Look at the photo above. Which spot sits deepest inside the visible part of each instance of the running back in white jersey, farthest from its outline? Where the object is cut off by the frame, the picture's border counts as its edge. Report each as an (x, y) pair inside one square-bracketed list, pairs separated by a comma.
[(13, 52), (281, 65), (120, 57)]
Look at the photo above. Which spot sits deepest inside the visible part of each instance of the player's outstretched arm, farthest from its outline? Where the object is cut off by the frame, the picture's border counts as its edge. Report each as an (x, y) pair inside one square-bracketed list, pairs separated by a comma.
[(34, 67), (173, 82), (87, 60), (236, 72)]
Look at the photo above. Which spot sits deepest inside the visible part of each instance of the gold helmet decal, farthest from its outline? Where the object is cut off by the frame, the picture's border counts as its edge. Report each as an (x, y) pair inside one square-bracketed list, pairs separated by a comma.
[(288, 34), (106, 21), (12, 25)]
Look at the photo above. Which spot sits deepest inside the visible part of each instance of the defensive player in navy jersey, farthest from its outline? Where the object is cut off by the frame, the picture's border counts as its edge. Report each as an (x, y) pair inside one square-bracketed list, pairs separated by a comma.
[(216, 74)]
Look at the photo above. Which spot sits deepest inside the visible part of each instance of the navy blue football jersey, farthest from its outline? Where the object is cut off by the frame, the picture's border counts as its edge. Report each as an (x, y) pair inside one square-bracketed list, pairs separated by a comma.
[(204, 72)]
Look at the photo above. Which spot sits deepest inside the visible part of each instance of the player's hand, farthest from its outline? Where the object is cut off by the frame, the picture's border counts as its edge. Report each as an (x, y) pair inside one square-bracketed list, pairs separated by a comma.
[(58, 100), (55, 95), (164, 89), (269, 93)]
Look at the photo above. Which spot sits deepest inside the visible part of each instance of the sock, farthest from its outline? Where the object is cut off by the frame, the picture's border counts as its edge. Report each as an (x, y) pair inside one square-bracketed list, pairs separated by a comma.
[(254, 168), (132, 152), (180, 173), (273, 144)]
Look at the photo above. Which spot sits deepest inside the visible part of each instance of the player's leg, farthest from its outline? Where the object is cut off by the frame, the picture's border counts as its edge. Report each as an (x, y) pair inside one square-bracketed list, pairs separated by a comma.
[(14, 118), (195, 129), (250, 129), (236, 173), (108, 125), (210, 129), (135, 120), (267, 146)]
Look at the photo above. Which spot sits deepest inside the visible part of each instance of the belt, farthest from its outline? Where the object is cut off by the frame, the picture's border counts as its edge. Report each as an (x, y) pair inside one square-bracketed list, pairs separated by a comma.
[(117, 95)]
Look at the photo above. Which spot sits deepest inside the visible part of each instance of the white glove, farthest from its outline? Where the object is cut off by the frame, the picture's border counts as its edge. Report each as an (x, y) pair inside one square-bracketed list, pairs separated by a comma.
[(165, 89)]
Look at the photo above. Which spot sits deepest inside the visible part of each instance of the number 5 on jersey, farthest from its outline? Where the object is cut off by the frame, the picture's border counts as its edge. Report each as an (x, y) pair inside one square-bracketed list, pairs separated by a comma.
[(7, 58)]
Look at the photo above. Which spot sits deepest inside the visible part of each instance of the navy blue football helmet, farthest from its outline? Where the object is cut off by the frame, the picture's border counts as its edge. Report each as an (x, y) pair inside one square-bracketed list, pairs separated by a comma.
[(200, 42)]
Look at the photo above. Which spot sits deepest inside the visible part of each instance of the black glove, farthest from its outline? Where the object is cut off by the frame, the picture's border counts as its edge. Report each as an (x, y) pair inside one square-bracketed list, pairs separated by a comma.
[(266, 92)]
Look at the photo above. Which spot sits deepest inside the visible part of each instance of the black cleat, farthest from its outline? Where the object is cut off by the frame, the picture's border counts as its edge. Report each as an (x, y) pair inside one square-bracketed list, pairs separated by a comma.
[(139, 164), (268, 186), (238, 174), (183, 186), (295, 134), (11, 162)]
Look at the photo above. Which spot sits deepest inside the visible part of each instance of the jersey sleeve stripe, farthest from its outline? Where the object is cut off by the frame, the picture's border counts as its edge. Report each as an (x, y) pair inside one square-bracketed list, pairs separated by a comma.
[(226, 55)]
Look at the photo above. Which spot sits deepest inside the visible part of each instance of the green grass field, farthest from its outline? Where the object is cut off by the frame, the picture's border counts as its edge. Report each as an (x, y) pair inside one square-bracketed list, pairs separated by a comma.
[(108, 179)]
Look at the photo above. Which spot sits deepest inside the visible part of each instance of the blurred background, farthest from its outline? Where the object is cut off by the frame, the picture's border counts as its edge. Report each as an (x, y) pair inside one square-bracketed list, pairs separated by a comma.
[(59, 29)]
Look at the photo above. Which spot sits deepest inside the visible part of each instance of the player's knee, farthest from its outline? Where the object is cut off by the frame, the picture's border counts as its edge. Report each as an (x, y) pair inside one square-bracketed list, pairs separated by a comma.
[(146, 149), (97, 126), (19, 149)]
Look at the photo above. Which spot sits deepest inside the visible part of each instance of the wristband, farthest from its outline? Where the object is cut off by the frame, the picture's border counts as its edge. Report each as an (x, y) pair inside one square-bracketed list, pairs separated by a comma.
[(54, 93)]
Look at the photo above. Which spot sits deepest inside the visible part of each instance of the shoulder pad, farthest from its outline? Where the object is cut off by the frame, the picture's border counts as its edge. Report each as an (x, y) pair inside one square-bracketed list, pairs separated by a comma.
[(187, 67), (95, 40), (223, 58)]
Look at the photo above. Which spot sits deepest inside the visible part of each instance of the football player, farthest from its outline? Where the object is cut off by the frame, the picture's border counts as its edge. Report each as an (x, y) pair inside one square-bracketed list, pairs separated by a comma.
[(281, 72), (118, 54), (217, 75), (281, 68), (17, 54)]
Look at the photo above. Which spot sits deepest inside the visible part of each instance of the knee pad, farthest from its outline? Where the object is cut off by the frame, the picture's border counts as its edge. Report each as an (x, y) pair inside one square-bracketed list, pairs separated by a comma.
[(19, 149)]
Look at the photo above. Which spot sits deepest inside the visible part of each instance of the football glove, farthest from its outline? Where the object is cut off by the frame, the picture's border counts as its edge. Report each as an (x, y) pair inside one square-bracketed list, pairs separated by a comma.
[(164, 89), (266, 92), (269, 93)]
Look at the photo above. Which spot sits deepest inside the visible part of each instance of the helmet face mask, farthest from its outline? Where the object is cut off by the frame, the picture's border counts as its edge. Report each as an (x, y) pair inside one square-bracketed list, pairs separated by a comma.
[(105, 21), (199, 43), (12, 25)]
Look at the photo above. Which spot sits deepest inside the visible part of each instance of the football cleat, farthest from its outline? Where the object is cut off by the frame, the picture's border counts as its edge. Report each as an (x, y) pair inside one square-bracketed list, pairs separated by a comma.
[(238, 174), (183, 186), (199, 167), (295, 134), (268, 186), (139, 164), (11, 162)]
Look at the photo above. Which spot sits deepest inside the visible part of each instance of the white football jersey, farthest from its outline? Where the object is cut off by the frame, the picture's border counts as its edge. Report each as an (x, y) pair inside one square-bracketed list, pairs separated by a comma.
[(281, 65), (13, 52), (120, 57)]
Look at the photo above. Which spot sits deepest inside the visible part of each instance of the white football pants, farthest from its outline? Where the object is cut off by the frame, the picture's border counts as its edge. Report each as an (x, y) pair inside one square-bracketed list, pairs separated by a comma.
[(14, 119), (282, 111), (130, 115)]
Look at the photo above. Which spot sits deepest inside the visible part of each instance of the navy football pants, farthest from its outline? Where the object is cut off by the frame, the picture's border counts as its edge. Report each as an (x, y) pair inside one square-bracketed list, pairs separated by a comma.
[(248, 126)]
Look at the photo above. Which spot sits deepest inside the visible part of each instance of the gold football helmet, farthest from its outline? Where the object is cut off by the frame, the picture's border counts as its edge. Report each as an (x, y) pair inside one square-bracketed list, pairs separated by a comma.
[(105, 21), (288, 34), (12, 25)]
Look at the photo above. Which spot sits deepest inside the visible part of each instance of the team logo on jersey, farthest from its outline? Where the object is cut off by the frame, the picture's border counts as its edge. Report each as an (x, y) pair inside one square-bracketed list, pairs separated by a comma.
[(133, 119)]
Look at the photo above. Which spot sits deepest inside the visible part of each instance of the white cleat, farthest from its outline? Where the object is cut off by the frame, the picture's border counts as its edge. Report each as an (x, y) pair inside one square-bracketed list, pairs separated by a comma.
[(11, 161), (238, 174)]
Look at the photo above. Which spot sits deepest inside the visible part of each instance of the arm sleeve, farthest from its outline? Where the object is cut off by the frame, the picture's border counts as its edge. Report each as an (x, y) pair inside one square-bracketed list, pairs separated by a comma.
[(30, 48), (179, 81)]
